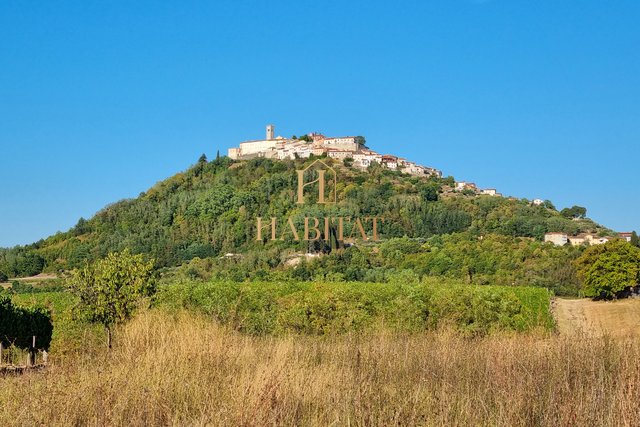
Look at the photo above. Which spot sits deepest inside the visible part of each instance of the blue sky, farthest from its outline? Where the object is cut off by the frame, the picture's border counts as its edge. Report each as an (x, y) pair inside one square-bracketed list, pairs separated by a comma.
[(100, 100)]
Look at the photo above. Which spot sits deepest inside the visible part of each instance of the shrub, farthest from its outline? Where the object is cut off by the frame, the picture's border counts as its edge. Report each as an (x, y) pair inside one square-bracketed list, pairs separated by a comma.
[(320, 308), (18, 325)]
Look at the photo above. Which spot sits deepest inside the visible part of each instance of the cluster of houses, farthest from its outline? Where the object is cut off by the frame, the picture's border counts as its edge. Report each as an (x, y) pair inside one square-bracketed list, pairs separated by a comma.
[(339, 148), (462, 186), (561, 239)]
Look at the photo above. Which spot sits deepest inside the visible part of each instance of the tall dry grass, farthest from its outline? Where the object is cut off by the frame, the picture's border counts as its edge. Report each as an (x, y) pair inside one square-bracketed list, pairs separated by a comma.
[(183, 370)]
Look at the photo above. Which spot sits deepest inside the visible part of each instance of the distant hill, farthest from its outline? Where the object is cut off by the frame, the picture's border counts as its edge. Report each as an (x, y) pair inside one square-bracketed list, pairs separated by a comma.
[(210, 210)]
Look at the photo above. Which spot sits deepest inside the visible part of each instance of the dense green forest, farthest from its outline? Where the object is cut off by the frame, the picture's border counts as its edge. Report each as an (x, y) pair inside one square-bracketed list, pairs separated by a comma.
[(210, 210)]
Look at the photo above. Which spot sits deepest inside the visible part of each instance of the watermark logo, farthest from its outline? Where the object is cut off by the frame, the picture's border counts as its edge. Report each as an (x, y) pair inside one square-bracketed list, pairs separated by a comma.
[(324, 173), (323, 178)]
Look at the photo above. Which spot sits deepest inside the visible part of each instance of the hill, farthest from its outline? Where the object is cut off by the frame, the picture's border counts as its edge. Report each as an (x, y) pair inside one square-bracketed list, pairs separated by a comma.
[(210, 210)]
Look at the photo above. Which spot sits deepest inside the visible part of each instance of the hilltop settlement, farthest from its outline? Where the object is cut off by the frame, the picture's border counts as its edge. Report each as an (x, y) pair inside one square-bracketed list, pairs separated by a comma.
[(350, 148)]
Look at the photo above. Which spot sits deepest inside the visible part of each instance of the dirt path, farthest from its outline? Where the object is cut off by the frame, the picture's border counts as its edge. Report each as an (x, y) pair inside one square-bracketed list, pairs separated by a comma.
[(39, 277), (598, 318)]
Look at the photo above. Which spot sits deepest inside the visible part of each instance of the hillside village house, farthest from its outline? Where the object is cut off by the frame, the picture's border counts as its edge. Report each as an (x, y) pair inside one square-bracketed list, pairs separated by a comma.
[(626, 235), (490, 192), (463, 185), (339, 154), (365, 158), (338, 148), (560, 239)]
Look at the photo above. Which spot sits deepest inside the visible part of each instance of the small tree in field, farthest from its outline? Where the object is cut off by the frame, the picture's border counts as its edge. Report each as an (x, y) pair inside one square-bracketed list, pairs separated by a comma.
[(110, 289), (606, 270)]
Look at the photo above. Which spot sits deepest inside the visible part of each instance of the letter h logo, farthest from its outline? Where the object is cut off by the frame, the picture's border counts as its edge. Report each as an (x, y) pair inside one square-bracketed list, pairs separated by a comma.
[(321, 180)]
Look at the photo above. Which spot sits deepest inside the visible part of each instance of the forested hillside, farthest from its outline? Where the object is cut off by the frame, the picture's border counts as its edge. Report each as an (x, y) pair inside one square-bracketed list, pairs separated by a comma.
[(211, 209)]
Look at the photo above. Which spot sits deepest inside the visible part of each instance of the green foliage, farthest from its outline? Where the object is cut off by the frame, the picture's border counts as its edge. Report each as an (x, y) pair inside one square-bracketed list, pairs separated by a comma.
[(21, 261), (210, 210), (110, 289), (429, 191), (326, 308), (18, 325), (574, 212), (635, 241), (3, 277), (397, 249), (490, 259), (606, 270), (21, 287)]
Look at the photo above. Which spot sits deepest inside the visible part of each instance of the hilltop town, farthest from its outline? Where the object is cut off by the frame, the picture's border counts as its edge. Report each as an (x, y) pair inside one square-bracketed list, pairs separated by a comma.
[(350, 149), (345, 148)]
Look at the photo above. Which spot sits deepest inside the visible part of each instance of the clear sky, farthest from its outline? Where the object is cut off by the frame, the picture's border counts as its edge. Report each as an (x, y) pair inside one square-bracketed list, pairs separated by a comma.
[(101, 99)]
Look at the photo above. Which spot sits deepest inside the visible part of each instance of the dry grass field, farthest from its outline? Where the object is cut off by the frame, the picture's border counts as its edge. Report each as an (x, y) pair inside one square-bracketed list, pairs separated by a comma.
[(620, 319), (182, 369)]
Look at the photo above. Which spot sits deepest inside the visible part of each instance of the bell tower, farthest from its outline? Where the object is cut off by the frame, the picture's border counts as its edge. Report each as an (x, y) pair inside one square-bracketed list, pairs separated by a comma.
[(271, 130)]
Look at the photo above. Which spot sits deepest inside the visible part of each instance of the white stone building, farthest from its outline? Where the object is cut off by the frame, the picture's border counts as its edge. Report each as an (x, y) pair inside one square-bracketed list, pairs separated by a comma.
[(344, 143), (259, 148), (558, 239), (390, 162), (339, 154), (489, 192), (364, 159)]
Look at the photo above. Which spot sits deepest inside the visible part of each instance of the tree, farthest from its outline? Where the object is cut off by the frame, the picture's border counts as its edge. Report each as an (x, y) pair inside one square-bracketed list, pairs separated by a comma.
[(348, 161), (635, 241), (110, 289), (606, 270), (429, 192), (82, 227), (574, 212), (549, 205), (203, 158), (3, 277)]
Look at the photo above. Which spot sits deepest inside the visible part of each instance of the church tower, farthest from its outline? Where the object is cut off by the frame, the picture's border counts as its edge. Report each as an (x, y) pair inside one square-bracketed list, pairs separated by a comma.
[(271, 130)]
